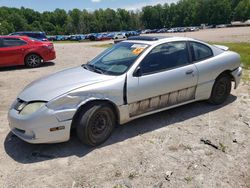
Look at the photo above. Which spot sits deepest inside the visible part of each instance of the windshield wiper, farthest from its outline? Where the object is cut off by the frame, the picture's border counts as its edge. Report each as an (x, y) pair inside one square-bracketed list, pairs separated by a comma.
[(98, 70), (93, 68), (85, 66)]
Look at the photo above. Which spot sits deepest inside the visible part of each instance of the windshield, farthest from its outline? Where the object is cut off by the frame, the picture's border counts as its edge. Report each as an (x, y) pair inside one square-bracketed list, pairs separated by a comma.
[(117, 59)]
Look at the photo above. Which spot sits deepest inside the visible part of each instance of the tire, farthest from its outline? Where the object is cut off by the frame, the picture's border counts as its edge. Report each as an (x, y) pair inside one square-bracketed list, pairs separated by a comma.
[(95, 124), (33, 60), (221, 90)]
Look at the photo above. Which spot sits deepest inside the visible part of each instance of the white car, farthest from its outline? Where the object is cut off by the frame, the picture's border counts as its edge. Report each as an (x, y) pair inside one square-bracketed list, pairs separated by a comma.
[(119, 36), (134, 78), (172, 30)]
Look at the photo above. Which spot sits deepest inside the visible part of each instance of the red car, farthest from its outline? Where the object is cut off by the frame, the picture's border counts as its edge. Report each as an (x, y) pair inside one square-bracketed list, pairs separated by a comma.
[(22, 50)]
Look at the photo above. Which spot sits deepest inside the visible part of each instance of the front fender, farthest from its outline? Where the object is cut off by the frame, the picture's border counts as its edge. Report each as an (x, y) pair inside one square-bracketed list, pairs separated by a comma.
[(68, 110)]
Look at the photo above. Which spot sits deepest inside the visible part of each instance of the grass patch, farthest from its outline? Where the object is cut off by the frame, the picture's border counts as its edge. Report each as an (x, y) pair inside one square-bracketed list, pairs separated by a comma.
[(243, 49), (71, 41), (246, 76), (188, 179), (103, 45)]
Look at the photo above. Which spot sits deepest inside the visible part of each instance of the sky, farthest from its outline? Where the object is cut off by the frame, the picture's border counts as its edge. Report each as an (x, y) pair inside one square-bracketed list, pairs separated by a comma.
[(90, 5)]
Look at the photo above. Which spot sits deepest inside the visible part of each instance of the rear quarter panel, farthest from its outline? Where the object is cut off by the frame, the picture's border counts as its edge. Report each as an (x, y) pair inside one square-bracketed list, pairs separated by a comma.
[(37, 49), (211, 68)]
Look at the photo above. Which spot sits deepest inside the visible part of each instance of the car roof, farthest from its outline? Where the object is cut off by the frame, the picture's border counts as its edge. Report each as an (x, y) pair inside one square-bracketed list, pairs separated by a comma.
[(150, 40), (39, 32)]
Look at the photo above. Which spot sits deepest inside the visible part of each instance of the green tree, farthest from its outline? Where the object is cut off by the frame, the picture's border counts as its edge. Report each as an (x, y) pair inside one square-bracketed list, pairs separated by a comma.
[(6, 28), (182, 13), (242, 11)]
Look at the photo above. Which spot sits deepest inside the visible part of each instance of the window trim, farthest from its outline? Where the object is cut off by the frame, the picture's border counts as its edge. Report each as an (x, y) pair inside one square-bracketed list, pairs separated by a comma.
[(167, 69), (15, 39), (193, 55)]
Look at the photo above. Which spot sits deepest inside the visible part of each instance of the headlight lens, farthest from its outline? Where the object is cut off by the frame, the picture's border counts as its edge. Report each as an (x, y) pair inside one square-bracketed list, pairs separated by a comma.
[(31, 108)]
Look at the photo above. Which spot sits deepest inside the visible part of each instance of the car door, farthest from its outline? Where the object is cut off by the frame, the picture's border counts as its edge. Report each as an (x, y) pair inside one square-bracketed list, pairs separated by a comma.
[(202, 57), (165, 77), (12, 51)]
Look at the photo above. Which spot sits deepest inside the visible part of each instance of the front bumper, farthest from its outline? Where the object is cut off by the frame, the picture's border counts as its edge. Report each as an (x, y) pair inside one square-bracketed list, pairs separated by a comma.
[(36, 128)]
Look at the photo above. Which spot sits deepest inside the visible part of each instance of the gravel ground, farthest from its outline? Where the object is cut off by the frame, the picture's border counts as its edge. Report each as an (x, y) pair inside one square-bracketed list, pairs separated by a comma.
[(235, 34), (161, 150)]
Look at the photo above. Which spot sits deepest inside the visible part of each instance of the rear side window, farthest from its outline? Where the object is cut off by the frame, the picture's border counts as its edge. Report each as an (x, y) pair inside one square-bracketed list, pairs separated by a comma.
[(200, 51), (165, 56), (1, 43), (12, 42)]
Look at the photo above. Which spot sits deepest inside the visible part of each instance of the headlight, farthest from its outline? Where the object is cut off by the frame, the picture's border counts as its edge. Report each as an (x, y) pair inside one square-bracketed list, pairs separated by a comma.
[(31, 108)]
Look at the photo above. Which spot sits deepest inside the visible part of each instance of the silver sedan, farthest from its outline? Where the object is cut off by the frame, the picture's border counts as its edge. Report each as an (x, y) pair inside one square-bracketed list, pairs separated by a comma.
[(134, 78)]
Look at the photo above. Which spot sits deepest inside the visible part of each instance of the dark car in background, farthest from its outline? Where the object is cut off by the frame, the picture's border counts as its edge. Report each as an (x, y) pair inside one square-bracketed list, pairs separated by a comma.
[(32, 34)]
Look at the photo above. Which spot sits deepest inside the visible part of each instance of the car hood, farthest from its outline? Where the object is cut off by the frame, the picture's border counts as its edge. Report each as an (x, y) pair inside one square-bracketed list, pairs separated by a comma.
[(50, 87)]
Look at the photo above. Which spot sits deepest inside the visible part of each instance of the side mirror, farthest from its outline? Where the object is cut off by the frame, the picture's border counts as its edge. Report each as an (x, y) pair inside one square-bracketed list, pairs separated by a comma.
[(137, 72)]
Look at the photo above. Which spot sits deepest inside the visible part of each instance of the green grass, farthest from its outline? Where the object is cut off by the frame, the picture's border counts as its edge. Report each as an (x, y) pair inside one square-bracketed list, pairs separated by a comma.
[(69, 41), (243, 49), (103, 45)]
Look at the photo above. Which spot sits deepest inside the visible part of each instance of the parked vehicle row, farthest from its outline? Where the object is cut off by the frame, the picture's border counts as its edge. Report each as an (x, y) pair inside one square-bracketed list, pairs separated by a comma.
[(101, 36), (79, 37), (170, 30), (32, 34), (94, 36)]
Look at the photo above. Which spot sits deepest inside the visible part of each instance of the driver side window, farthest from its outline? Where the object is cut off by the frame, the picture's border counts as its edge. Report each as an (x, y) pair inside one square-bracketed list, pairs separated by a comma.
[(165, 56)]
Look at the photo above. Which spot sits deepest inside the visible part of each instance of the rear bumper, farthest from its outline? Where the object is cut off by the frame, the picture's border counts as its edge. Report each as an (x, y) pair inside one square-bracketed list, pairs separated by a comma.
[(51, 55), (237, 74)]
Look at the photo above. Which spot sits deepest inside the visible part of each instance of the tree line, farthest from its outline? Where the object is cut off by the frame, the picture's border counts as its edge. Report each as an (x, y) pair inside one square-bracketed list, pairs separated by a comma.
[(182, 13)]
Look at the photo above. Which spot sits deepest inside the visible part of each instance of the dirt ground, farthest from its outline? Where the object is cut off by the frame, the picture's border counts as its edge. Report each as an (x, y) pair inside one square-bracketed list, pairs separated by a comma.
[(235, 34), (158, 151)]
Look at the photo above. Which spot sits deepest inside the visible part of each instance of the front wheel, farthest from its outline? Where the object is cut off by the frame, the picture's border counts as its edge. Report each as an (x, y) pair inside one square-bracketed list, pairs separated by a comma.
[(95, 125), (221, 90), (33, 60)]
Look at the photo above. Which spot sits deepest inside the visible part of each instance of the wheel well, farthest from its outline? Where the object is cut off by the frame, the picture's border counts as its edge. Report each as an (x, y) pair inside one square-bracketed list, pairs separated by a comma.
[(228, 73), (91, 103)]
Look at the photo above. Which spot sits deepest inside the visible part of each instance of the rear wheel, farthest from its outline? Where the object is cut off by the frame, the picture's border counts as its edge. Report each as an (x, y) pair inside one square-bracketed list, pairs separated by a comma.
[(95, 125), (33, 60), (221, 90)]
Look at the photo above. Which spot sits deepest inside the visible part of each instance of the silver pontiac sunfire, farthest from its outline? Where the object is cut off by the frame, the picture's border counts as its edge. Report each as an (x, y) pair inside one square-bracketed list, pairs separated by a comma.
[(134, 78)]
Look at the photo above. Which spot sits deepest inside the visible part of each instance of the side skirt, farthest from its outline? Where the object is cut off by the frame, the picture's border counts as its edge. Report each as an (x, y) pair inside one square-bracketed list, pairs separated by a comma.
[(162, 101), (124, 111)]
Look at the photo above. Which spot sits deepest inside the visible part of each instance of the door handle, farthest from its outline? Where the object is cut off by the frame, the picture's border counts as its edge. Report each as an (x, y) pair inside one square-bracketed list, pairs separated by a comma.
[(189, 72)]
